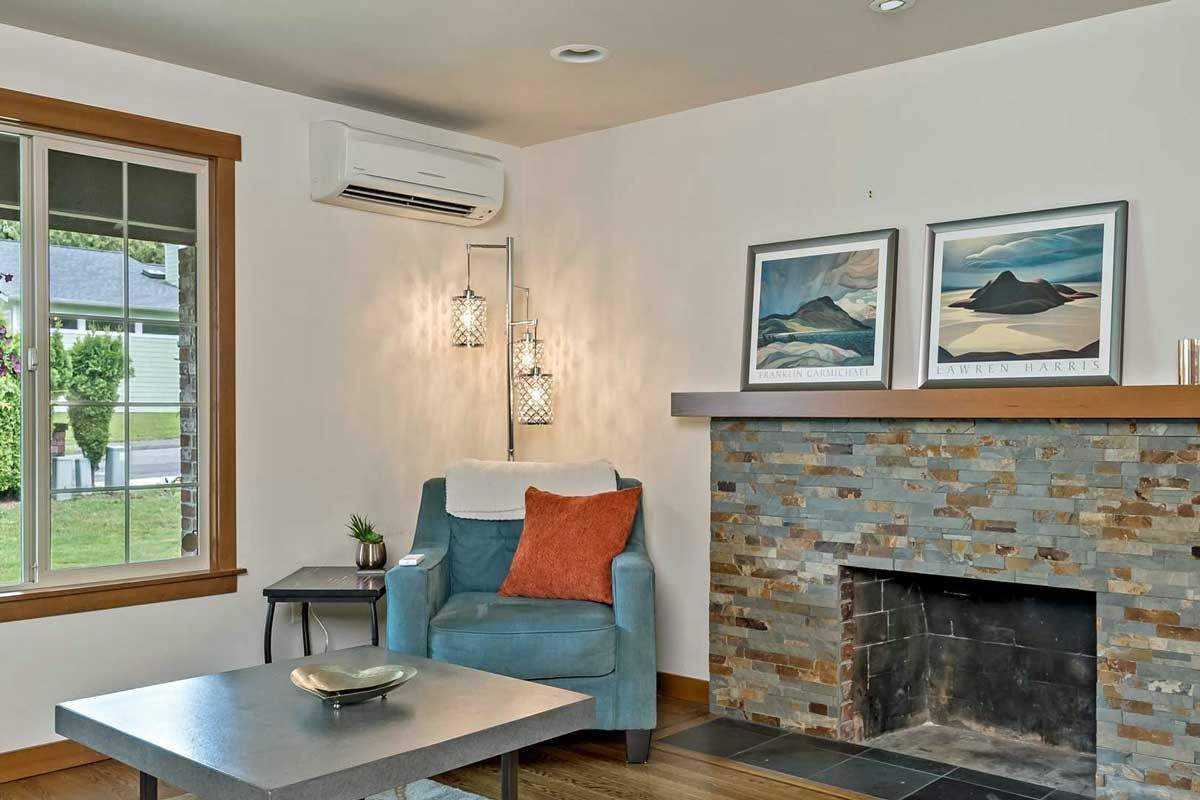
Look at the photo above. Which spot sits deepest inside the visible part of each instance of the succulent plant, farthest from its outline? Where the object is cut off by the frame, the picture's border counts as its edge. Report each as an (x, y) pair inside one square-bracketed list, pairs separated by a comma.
[(363, 530)]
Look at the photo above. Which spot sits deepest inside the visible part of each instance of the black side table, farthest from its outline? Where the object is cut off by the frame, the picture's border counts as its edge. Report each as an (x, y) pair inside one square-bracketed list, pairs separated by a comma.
[(323, 585)]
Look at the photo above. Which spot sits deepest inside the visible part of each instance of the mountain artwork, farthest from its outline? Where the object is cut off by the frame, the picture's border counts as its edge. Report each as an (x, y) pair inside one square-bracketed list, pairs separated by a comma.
[(1024, 301), (816, 313)]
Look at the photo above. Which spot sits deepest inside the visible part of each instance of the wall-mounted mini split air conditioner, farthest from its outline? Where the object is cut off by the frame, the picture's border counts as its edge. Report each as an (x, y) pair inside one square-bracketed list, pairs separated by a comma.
[(389, 175)]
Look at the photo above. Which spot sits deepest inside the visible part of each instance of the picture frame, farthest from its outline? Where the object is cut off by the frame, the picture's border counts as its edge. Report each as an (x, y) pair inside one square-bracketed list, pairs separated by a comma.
[(1028, 299), (820, 313)]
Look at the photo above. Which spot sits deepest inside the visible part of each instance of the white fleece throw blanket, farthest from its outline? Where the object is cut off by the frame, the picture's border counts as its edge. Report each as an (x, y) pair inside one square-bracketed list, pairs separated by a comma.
[(496, 489)]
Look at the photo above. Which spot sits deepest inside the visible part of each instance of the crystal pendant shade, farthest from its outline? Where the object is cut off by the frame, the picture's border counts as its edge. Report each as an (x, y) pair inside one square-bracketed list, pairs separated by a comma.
[(535, 398), (468, 319), (527, 355)]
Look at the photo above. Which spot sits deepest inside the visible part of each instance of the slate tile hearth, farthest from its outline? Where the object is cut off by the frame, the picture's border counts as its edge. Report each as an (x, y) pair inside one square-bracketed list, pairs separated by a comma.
[(866, 770), (793, 756), (724, 737), (998, 782), (875, 778), (911, 762)]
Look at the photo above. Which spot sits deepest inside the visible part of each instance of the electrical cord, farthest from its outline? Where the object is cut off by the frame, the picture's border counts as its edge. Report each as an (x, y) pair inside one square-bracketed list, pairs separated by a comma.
[(324, 630)]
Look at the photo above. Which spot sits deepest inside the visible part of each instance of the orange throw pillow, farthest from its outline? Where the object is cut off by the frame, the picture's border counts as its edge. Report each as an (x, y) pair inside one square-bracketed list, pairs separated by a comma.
[(568, 544)]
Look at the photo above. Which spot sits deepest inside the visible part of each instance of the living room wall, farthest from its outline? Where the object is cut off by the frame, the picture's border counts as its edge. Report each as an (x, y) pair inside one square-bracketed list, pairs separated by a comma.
[(635, 238), (348, 393), (634, 241)]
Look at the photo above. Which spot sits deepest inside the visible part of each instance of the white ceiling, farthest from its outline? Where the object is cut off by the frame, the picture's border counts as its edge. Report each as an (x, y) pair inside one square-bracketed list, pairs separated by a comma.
[(482, 66)]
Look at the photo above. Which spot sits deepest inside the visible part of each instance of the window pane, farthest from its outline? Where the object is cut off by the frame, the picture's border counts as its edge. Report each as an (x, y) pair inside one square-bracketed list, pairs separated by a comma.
[(11, 542), (162, 205), (163, 291), (88, 364), (163, 357), (162, 524), (87, 446), (157, 288), (89, 529), (87, 248), (161, 451), (123, 290), (10, 178), (85, 193)]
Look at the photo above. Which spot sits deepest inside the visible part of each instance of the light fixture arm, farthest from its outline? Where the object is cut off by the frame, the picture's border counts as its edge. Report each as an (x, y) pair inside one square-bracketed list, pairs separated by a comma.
[(507, 247), (528, 321)]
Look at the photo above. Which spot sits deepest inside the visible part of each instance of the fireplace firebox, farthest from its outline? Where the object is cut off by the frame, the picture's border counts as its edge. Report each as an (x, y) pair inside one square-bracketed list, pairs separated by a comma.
[(1001, 659)]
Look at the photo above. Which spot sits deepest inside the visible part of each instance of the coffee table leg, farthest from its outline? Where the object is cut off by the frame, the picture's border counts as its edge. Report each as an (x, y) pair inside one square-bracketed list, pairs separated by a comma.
[(304, 629), (147, 787), (508, 776), (267, 635)]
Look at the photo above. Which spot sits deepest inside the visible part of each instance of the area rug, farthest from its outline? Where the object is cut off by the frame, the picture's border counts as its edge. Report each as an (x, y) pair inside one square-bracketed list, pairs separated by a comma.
[(421, 790), (428, 790)]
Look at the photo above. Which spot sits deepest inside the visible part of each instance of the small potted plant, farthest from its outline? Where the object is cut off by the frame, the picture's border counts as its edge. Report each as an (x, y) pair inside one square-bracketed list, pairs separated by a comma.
[(371, 553)]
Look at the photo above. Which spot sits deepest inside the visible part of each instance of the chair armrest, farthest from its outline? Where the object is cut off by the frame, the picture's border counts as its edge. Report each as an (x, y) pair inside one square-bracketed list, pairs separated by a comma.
[(637, 661), (414, 596)]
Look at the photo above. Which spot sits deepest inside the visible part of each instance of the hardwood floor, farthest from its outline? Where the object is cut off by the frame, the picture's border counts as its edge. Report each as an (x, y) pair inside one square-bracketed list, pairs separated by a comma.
[(585, 766)]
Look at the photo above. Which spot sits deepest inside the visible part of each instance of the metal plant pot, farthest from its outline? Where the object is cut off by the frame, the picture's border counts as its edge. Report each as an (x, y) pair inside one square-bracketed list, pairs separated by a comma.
[(370, 556)]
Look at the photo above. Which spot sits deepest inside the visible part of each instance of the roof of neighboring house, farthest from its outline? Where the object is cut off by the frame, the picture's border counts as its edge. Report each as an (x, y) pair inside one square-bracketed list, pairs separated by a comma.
[(81, 276)]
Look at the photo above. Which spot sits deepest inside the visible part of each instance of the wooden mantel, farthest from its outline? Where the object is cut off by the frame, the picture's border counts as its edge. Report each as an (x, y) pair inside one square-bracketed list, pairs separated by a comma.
[(1076, 402)]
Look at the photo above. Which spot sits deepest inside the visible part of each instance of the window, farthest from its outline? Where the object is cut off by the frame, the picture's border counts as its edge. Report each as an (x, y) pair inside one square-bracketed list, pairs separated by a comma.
[(114, 489), (116, 426)]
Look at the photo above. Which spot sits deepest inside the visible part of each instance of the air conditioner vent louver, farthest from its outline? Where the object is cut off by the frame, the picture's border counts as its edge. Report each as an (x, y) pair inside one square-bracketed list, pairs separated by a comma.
[(408, 201)]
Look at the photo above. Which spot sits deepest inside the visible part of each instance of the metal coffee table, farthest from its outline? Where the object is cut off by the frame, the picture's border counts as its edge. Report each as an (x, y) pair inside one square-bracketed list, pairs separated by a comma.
[(251, 735)]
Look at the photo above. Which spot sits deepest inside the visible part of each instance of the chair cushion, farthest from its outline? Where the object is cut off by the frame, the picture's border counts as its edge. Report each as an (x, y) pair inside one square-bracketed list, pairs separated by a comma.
[(525, 638), (481, 551)]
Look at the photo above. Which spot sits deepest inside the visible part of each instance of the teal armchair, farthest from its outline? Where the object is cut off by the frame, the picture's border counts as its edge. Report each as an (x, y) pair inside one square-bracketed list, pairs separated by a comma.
[(447, 609)]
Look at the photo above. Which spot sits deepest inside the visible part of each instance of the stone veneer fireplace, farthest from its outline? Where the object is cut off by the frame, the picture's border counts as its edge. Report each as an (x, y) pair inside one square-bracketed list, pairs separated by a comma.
[(805, 510)]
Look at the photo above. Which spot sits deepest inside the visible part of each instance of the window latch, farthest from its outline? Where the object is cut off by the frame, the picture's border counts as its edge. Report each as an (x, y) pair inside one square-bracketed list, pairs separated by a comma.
[(31, 359)]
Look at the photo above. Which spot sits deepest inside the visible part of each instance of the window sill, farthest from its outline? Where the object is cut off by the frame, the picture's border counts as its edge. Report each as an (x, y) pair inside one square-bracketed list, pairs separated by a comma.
[(50, 602)]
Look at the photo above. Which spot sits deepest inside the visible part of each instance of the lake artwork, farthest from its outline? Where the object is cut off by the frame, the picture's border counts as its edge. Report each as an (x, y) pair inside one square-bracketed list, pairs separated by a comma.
[(1027, 299), (819, 313)]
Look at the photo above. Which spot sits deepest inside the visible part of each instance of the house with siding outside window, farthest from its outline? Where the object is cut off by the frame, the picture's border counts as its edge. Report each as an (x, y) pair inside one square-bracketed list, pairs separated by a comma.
[(86, 283)]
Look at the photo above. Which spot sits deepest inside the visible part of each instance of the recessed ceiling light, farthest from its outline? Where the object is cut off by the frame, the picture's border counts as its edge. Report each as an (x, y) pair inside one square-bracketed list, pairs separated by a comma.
[(888, 6), (580, 53)]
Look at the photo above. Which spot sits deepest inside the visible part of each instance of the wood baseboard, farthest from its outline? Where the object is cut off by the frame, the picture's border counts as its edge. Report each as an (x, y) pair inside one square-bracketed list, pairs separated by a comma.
[(681, 687), (44, 758)]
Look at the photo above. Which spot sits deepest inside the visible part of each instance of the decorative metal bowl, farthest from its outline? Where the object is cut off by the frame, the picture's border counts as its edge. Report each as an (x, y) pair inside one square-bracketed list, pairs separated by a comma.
[(339, 685)]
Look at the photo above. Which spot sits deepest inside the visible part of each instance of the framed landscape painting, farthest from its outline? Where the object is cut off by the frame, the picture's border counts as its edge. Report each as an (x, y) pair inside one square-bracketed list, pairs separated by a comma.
[(819, 313), (1026, 299)]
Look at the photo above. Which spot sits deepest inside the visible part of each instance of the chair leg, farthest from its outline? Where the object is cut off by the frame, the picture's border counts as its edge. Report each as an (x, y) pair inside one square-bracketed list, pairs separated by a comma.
[(637, 746)]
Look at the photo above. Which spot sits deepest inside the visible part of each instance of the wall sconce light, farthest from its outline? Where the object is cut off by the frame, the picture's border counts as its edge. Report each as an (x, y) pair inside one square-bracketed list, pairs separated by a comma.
[(529, 389)]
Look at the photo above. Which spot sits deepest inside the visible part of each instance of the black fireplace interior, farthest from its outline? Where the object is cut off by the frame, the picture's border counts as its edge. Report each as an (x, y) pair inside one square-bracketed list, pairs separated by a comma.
[(1004, 659)]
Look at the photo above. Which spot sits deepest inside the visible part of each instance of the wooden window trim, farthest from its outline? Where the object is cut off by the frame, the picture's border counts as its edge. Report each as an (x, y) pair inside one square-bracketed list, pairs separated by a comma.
[(221, 150), (53, 601), (117, 126)]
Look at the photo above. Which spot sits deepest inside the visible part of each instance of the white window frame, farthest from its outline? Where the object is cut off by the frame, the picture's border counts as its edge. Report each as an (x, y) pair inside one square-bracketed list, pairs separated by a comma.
[(36, 399)]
